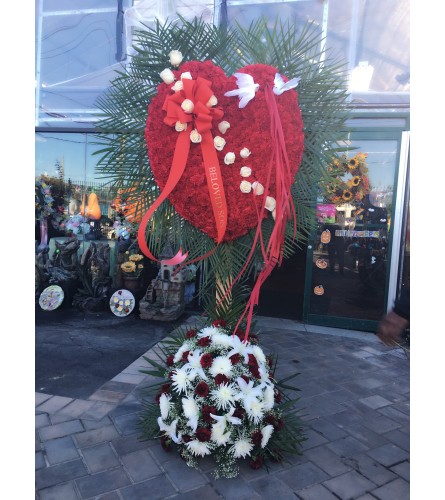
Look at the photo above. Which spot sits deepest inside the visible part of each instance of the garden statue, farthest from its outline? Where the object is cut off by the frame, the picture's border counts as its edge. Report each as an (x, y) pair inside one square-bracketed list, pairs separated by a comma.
[(94, 270)]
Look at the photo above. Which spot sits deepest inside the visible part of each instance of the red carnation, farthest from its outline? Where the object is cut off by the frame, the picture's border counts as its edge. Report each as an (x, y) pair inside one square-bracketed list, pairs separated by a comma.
[(186, 438), (204, 342), (235, 358), (257, 462), (219, 322), (254, 371), (206, 360), (256, 438), (165, 389), (169, 361), (190, 334), (239, 413), (206, 411), (221, 379), (252, 360), (202, 390), (270, 419), (185, 356), (203, 434)]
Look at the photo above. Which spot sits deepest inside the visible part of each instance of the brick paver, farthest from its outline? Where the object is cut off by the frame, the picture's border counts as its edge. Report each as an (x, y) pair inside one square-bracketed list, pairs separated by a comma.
[(355, 397)]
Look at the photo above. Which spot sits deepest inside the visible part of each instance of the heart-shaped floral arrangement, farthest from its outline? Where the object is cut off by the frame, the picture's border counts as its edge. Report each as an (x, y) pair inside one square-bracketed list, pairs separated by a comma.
[(229, 164)]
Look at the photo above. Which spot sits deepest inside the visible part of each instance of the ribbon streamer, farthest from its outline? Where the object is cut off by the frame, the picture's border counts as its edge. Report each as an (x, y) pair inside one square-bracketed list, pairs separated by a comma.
[(199, 92)]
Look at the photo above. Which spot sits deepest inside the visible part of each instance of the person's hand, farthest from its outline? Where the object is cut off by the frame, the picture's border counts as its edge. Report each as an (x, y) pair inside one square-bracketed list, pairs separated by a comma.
[(391, 328)]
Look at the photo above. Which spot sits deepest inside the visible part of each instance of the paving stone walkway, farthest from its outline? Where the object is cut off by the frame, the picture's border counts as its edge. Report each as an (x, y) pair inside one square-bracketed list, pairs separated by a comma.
[(355, 393)]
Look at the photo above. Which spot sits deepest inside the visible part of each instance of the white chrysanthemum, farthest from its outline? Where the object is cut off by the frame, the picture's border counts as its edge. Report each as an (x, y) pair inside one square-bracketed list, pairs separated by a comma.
[(266, 433), (170, 430), (208, 331), (254, 409), (223, 396), (194, 364), (165, 405), (241, 348), (222, 365), (178, 356), (241, 448), (182, 379), (219, 436), (259, 354), (223, 340), (191, 411), (268, 397), (264, 374), (198, 448)]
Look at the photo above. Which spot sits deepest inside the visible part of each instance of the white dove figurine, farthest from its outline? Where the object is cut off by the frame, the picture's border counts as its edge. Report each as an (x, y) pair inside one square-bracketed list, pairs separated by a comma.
[(279, 86), (246, 88)]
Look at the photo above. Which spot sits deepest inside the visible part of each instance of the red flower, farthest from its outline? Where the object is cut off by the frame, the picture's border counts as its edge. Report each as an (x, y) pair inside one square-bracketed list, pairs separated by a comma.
[(257, 462), (245, 378), (203, 434), (165, 389), (169, 361), (252, 360), (170, 375), (256, 438), (206, 411), (239, 412), (190, 334), (270, 419), (204, 341), (278, 397), (235, 358), (185, 356), (186, 438), (202, 389), (221, 379), (219, 322), (254, 371), (206, 360)]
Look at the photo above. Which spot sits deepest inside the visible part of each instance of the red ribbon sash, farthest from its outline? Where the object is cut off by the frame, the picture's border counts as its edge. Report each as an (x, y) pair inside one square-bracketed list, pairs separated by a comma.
[(199, 92)]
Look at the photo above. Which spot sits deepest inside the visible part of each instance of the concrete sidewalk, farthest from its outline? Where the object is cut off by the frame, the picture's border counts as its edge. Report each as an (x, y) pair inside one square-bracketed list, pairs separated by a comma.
[(356, 399)]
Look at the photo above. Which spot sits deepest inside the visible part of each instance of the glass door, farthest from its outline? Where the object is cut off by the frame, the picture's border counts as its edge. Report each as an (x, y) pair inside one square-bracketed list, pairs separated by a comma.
[(349, 255)]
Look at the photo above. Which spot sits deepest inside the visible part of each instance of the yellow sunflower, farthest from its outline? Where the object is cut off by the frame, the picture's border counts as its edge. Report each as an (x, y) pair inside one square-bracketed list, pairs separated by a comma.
[(352, 163), (136, 257), (128, 267), (356, 180), (347, 195)]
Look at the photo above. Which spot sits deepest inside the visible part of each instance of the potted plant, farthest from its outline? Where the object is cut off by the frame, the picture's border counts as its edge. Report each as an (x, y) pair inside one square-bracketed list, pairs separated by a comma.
[(132, 269)]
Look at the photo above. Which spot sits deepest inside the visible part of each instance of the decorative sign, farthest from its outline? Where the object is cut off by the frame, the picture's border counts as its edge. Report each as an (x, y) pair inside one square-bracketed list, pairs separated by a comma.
[(326, 213), (355, 234), (122, 303), (319, 290), (326, 236), (51, 298), (321, 263)]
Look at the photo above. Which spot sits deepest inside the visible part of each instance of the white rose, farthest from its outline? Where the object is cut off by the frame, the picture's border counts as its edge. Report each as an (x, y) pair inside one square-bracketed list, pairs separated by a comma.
[(245, 186), (178, 86), (223, 127), (244, 153), (167, 76), (175, 57), (187, 75), (229, 158), (271, 203), (179, 127), (245, 172), (195, 136), (258, 188), (188, 106), (219, 143), (213, 101)]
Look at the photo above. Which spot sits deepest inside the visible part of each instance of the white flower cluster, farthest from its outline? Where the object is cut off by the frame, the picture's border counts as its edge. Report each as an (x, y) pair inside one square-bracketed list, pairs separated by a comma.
[(220, 396)]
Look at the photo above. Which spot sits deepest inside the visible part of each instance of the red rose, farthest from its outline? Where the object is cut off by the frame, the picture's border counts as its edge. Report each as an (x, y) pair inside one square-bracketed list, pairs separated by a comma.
[(190, 334), (185, 356), (203, 434), (169, 361), (202, 390), (221, 379), (257, 462), (256, 438), (204, 341), (206, 360), (235, 358), (219, 322), (206, 411)]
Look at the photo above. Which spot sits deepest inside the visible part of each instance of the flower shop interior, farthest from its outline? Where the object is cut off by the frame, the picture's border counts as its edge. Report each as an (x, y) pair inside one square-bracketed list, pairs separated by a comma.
[(367, 259)]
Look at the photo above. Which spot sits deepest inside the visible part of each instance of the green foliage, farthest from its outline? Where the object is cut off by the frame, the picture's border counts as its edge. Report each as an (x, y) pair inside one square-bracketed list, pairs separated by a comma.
[(295, 51)]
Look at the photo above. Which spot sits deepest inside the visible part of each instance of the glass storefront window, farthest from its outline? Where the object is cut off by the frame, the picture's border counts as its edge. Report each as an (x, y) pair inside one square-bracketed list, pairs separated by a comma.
[(351, 251)]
